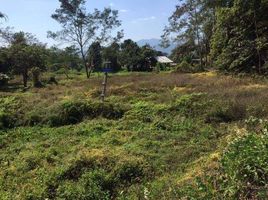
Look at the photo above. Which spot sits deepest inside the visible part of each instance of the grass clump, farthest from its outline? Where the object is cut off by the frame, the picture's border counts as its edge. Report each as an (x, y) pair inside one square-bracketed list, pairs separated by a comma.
[(73, 112), (8, 112), (191, 105), (226, 114)]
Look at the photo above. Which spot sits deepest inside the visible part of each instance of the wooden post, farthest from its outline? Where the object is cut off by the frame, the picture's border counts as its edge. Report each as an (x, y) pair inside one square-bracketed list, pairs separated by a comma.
[(104, 86)]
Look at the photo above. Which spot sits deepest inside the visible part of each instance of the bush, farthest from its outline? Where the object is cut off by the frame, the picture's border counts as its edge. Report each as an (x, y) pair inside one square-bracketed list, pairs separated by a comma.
[(74, 112), (129, 172), (91, 186), (191, 105), (244, 168), (233, 112), (8, 109), (184, 67)]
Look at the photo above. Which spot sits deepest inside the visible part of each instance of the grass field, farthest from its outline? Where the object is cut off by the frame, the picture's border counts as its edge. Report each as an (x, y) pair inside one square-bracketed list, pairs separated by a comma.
[(157, 136)]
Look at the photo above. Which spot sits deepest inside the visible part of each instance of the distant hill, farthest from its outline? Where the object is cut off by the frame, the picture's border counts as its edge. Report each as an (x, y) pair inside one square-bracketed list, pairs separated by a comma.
[(155, 43)]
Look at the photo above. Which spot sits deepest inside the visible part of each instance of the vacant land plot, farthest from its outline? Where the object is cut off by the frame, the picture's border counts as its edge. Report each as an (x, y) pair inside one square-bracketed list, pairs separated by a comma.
[(157, 136)]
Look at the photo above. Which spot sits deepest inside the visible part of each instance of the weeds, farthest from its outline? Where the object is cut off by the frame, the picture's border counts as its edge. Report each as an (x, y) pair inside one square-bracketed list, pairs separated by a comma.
[(59, 142)]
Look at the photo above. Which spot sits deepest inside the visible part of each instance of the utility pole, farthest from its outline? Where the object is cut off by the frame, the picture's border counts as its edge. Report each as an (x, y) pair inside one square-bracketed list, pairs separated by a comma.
[(106, 69), (104, 86)]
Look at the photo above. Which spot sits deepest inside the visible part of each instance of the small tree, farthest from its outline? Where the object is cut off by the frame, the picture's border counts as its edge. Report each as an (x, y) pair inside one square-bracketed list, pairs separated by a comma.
[(130, 55), (80, 27), (111, 53), (25, 53)]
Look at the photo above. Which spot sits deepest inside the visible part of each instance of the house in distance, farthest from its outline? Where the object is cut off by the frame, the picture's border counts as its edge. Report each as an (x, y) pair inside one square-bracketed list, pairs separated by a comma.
[(163, 62)]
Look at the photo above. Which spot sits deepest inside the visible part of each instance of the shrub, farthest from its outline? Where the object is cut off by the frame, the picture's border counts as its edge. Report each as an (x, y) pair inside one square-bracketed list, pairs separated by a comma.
[(74, 112), (8, 108), (32, 119), (88, 188), (130, 171), (184, 67), (142, 111), (244, 168), (233, 112), (191, 105)]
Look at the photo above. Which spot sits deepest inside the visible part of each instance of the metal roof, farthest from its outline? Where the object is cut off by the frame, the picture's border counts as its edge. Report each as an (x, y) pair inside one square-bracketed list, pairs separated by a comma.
[(163, 59)]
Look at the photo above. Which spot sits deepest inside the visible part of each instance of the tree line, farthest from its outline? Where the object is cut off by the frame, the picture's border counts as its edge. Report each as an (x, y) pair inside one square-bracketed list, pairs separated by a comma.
[(24, 55), (90, 39), (231, 35)]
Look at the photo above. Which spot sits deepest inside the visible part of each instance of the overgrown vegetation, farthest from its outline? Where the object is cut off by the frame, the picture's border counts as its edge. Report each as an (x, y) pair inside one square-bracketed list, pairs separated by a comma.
[(185, 134), (230, 35), (181, 139)]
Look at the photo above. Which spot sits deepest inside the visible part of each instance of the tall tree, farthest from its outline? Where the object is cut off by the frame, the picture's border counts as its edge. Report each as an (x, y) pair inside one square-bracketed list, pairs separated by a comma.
[(240, 40), (130, 55), (94, 56), (185, 26), (81, 28)]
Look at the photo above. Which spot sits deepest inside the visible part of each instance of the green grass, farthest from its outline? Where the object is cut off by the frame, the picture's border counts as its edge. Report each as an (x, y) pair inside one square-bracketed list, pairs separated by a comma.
[(157, 136)]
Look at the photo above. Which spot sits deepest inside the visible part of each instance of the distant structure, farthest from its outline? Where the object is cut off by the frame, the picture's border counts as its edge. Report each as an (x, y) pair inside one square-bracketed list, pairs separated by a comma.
[(163, 63), (163, 60)]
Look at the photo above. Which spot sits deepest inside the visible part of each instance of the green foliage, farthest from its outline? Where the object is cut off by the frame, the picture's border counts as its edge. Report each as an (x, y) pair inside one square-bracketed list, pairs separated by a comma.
[(191, 105), (94, 56), (8, 108), (23, 45), (229, 113), (111, 54), (159, 142), (240, 40), (244, 168), (82, 27), (36, 77), (74, 112), (135, 58), (90, 186), (62, 59), (184, 67)]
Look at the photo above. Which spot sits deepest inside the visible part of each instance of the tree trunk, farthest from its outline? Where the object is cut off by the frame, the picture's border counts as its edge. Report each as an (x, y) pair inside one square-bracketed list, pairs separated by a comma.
[(198, 40), (257, 48), (86, 67), (25, 78), (84, 60)]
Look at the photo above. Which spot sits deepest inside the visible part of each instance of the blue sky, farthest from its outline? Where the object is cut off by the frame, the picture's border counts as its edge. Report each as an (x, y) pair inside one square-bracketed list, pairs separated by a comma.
[(141, 19)]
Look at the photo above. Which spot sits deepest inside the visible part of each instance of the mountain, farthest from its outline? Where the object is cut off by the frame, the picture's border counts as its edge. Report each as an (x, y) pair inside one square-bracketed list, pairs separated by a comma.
[(155, 43)]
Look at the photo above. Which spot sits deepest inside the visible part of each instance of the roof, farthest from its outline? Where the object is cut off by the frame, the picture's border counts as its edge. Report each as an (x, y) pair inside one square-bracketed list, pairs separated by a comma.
[(163, 59)]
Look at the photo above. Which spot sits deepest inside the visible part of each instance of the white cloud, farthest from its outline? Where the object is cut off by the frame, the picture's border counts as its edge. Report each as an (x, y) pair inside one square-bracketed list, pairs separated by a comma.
[(144, 19), (111, 4)]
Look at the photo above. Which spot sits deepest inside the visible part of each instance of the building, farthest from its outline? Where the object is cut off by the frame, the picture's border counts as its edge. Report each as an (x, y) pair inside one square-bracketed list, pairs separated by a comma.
[(163, 60)]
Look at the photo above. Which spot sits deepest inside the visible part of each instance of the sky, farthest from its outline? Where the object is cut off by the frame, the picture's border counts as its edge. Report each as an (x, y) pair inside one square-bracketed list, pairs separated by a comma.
[(141, 19)]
